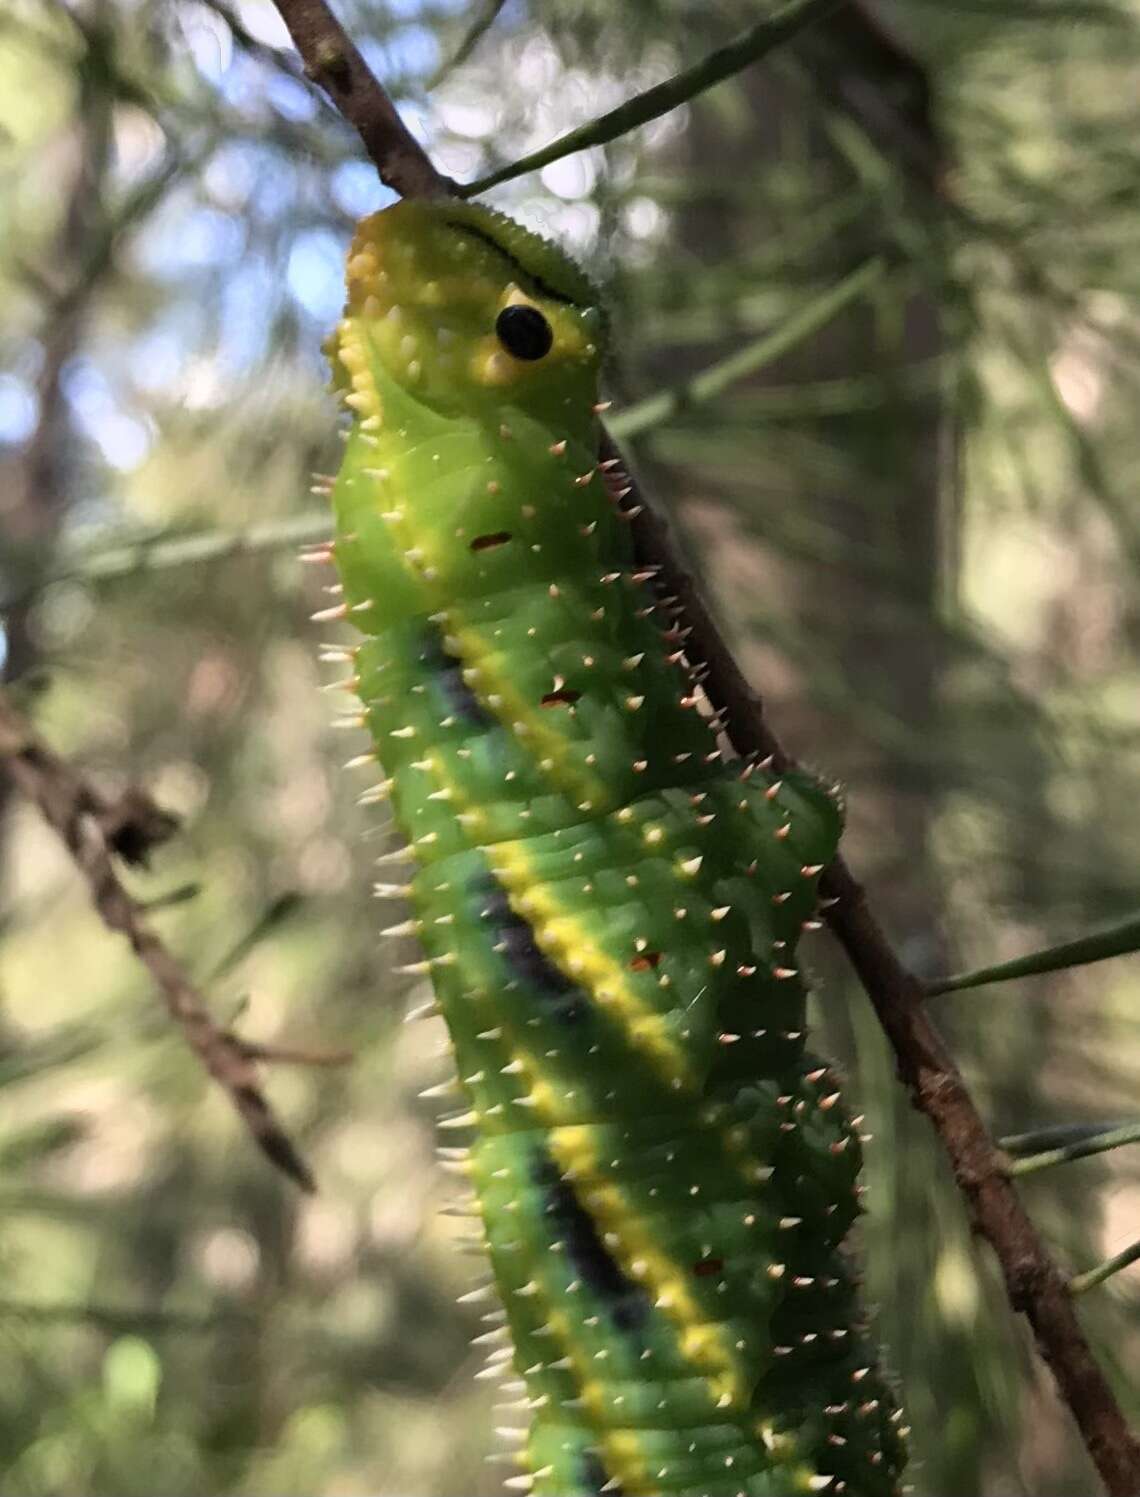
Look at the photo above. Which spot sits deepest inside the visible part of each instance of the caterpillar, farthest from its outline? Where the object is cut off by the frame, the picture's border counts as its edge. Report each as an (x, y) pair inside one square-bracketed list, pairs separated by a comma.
[(608, 905)]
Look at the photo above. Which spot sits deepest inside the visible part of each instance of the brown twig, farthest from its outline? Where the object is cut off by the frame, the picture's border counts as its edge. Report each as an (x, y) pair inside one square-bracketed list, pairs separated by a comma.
[(333, 62), (1034, 1284), (33, 500), (94, 829)]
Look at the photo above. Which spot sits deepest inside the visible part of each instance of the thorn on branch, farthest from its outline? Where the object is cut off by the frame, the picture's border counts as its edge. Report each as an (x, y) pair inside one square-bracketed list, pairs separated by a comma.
[(329, 66)]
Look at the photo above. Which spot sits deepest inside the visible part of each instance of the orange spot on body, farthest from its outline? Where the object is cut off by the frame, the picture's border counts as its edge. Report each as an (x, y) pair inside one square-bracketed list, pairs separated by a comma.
[(645, 962)]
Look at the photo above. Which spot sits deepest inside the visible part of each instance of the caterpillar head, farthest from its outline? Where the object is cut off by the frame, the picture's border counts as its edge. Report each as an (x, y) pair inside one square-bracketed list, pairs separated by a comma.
[(466, 310)]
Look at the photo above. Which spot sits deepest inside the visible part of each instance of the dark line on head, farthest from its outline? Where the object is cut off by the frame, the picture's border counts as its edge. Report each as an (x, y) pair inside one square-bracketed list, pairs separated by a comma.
[(542, 287)]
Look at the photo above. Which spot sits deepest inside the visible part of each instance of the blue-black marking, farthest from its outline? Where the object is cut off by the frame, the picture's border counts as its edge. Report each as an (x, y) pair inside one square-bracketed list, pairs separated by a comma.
[(594, 1477), (559, 997), (447, 672), (591, 1260)]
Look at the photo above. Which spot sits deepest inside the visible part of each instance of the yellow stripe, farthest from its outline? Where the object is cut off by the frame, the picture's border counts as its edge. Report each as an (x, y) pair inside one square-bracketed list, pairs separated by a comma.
[(648, 1030), (542, 1095), (702, 1341), (473, 816), (529, 722), (622, 1453), (566, 939)]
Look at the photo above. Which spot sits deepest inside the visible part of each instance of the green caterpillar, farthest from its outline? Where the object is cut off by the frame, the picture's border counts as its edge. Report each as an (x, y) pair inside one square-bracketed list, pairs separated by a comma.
[(609, 909)]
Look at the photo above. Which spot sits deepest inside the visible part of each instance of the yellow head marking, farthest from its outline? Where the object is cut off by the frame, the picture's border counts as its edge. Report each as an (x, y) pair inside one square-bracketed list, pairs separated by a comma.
[(464, 308)]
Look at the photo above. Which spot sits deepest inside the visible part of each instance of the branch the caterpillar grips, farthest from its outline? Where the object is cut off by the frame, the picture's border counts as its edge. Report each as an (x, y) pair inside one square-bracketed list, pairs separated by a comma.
[(609, 909)]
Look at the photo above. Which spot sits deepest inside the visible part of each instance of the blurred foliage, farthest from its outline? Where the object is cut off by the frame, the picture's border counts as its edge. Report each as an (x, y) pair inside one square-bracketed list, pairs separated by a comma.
[(917, 521)]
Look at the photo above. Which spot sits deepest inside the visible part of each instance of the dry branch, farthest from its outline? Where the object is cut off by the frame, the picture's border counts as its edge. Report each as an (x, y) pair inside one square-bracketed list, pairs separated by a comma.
[(1034, 1284), (333, 62), (95, 829)]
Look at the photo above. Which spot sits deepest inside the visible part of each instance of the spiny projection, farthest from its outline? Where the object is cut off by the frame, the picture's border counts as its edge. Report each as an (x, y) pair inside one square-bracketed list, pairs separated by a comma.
[(608, 909)]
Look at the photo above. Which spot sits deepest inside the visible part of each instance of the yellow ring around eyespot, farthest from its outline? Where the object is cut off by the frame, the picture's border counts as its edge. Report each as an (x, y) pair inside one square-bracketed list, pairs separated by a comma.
[(492, 366)]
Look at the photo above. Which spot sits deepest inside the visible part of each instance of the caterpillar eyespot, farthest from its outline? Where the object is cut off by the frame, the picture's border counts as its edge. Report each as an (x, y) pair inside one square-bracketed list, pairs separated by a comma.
[(609, 909), (524, 332)]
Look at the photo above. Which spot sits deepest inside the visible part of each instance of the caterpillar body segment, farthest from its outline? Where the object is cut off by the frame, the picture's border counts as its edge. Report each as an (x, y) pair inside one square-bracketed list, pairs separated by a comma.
[(609, 911)]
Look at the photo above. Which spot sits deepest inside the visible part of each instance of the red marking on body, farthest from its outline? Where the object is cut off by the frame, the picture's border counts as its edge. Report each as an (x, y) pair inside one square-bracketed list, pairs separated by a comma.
[(708, 1266), (645, 961)]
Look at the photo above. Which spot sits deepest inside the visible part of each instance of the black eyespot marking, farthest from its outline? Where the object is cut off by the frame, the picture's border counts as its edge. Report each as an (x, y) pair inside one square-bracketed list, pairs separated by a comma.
[(524, 332)]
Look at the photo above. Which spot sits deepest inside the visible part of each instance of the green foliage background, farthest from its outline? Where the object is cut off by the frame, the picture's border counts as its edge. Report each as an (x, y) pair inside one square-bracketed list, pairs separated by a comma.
[(918, 522)]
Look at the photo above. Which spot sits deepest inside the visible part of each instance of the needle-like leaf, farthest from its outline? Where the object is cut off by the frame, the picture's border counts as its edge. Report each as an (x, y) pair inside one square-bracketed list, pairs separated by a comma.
[(1114, 940)]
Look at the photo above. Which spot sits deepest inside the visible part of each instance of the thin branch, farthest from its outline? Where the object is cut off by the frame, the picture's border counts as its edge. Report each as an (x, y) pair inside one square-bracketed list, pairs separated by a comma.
[(1081, 1282), (160, 550), (1100, 1143), (1116, 940), (720, 64), (34, 508), (1056, 1137), (333, 62), (1033, 1282), (475, 33), (1035, 1285), (759, 353), (181, 894), (123, 1318), (80, 816), (275, 914), (155, 553)]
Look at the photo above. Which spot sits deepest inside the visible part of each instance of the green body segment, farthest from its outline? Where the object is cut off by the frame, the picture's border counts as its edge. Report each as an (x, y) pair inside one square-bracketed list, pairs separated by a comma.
[(609, 911)]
